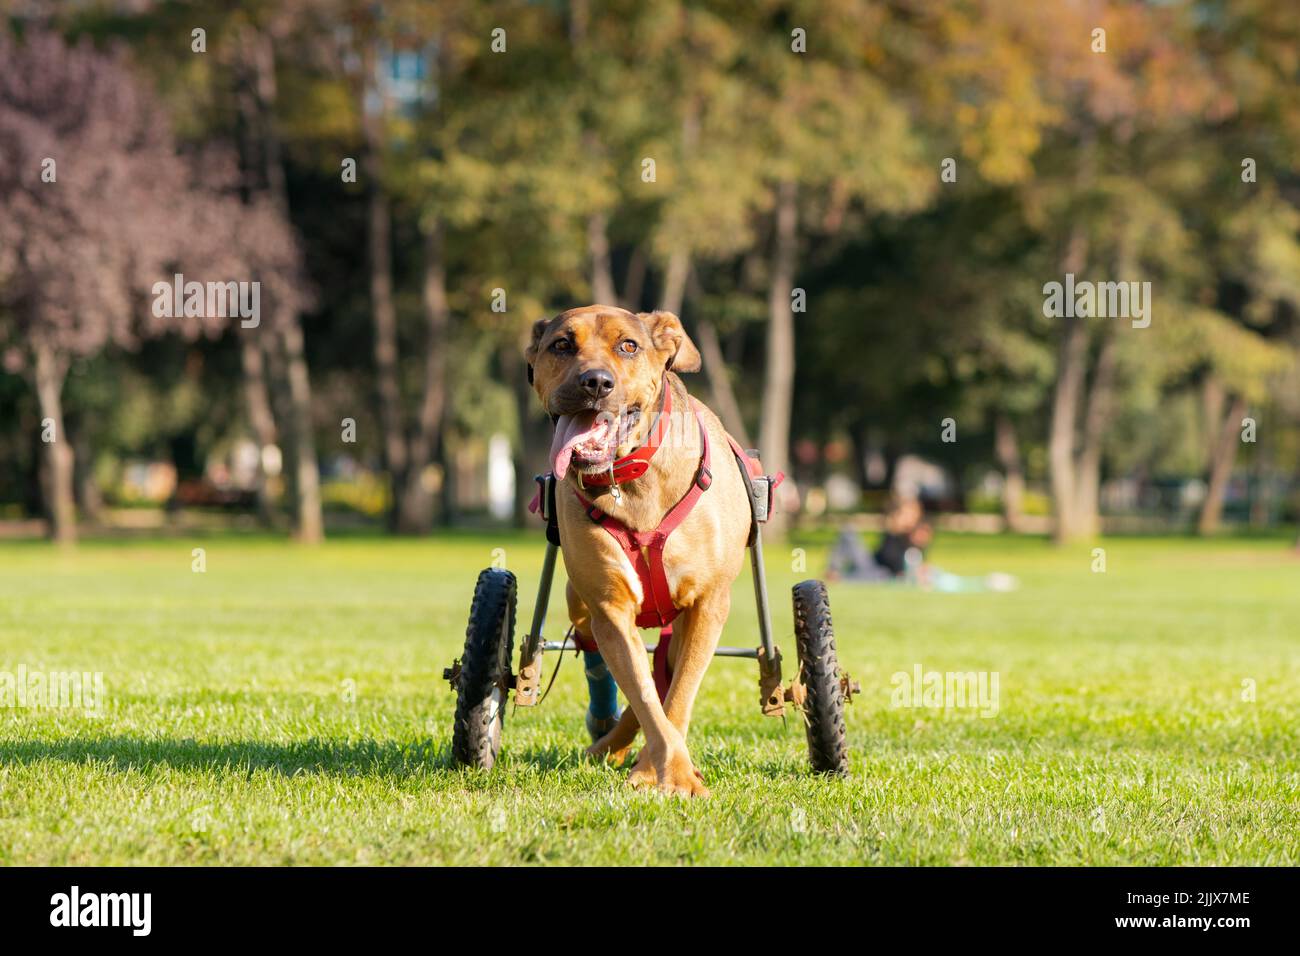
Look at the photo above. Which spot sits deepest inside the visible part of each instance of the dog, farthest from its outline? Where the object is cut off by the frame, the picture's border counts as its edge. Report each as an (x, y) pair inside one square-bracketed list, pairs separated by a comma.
[(601, 373)]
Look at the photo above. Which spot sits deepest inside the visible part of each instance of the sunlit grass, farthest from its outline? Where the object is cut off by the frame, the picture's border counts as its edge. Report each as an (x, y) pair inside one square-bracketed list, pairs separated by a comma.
[(287, 706)]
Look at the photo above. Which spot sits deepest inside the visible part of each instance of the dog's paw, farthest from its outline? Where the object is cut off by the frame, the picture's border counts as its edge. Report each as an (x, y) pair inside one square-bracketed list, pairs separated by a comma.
[(615, 746), (612, 755), (675, 774)]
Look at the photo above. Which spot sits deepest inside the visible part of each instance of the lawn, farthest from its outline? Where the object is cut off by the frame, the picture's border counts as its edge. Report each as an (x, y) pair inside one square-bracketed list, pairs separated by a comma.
[(287, 706)]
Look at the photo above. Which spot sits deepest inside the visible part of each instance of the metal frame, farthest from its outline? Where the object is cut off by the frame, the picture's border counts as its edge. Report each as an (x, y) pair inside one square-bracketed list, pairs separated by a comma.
[(773, 694)]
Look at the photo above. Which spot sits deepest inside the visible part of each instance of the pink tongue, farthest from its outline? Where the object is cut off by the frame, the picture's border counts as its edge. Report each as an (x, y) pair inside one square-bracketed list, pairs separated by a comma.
[(568, 433)]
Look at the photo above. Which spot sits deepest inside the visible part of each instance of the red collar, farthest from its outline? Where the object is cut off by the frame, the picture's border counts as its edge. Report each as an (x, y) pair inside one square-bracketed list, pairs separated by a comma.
[(635, 464)]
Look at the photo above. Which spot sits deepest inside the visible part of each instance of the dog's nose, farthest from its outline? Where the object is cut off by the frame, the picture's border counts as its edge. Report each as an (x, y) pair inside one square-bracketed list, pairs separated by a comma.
[(597, 382)]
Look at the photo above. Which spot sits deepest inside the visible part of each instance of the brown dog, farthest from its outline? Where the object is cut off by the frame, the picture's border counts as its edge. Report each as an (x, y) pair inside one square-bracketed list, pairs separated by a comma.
[(600, 372)]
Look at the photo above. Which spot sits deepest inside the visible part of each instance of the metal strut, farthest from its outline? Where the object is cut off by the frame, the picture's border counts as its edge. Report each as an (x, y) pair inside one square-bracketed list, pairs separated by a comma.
[(770, 690), (530, 655)]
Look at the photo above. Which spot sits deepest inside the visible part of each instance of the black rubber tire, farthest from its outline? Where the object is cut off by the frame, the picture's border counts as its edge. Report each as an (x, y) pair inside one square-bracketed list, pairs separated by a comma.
[(819, 671), (483, 686)]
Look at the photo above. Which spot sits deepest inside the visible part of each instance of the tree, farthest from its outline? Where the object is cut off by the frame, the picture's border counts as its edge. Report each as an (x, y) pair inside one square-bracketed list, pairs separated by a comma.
[(408, 450), (258, 105), (1248, 223), (771, 153), (85, 234), (96, 206), (1088, 134)]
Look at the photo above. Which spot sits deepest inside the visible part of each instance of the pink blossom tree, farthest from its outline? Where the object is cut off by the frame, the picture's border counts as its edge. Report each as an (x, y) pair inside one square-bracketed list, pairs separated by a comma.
[(97, 204)]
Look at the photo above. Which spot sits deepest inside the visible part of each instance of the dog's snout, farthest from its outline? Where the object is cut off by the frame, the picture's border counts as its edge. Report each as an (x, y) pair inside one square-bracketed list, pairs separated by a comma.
[(597, 382)]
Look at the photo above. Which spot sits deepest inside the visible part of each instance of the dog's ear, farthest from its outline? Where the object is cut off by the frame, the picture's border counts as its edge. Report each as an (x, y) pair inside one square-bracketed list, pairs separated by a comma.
[(530, 353), (672, 341)]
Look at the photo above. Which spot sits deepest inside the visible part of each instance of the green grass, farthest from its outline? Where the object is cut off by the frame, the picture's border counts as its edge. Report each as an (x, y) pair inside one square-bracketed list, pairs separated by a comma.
[(230, 735)]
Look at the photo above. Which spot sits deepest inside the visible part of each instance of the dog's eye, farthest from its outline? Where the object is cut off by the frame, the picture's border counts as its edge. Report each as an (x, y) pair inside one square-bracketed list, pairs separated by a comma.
[(561, 346), (628, 347)]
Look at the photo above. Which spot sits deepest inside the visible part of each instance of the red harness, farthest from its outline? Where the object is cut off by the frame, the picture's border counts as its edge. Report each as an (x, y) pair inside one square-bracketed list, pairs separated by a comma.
[(645, 549)]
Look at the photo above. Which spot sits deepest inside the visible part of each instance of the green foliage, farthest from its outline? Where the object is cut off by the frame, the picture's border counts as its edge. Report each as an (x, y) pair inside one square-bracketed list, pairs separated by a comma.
[(924, 297)]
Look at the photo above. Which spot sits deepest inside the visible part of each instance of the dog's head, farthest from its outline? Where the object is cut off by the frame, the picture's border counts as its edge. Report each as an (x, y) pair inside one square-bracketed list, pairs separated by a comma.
[(598, 371)]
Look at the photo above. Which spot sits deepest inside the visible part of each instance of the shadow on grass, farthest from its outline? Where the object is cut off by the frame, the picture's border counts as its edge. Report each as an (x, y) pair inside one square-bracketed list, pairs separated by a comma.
[(312, 756), (389, 759)]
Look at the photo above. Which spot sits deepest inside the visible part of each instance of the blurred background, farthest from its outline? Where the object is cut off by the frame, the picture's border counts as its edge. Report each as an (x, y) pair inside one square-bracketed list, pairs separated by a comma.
[(853, 205)]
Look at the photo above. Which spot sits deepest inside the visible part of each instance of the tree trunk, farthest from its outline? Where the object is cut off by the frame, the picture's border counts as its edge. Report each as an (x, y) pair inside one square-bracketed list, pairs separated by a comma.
[(33, 482), (706, 337), (1072, 358), (676, 281), (382, 307), (524, 474), (1007, 448), (1261, 500), (717, 368), (415, 509), (60, 501), (1225, 454), (858, 439), (261, 419), (277, 376), (88, 498), (308, 515), (534, 433), (1213, 406), (634, 281), (679, 262), (778, 379), (893, 455), (449, 491), (309, 524), (674, 294), (260, 405), (602, 273), (1087, 480), (721, 392), (263, 55)]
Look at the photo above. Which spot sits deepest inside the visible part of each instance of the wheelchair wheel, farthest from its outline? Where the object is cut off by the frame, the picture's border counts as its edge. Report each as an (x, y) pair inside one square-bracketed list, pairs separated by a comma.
[(484, 680), (819, 672)]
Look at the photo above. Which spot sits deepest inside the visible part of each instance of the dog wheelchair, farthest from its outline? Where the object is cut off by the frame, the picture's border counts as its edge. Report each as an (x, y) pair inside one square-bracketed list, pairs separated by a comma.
[(482, 678)]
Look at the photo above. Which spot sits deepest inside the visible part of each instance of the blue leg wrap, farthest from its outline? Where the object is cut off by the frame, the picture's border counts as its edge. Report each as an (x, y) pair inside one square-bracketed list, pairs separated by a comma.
[(600, 686)]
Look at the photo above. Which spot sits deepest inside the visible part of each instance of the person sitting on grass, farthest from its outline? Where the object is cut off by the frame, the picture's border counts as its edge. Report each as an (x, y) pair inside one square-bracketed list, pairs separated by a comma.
[(900, 556), (850, 560)]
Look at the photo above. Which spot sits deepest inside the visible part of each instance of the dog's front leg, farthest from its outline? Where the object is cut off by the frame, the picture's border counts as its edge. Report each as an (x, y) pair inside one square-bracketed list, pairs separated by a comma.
[(664, 761), (695, 638), (692, 651)]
